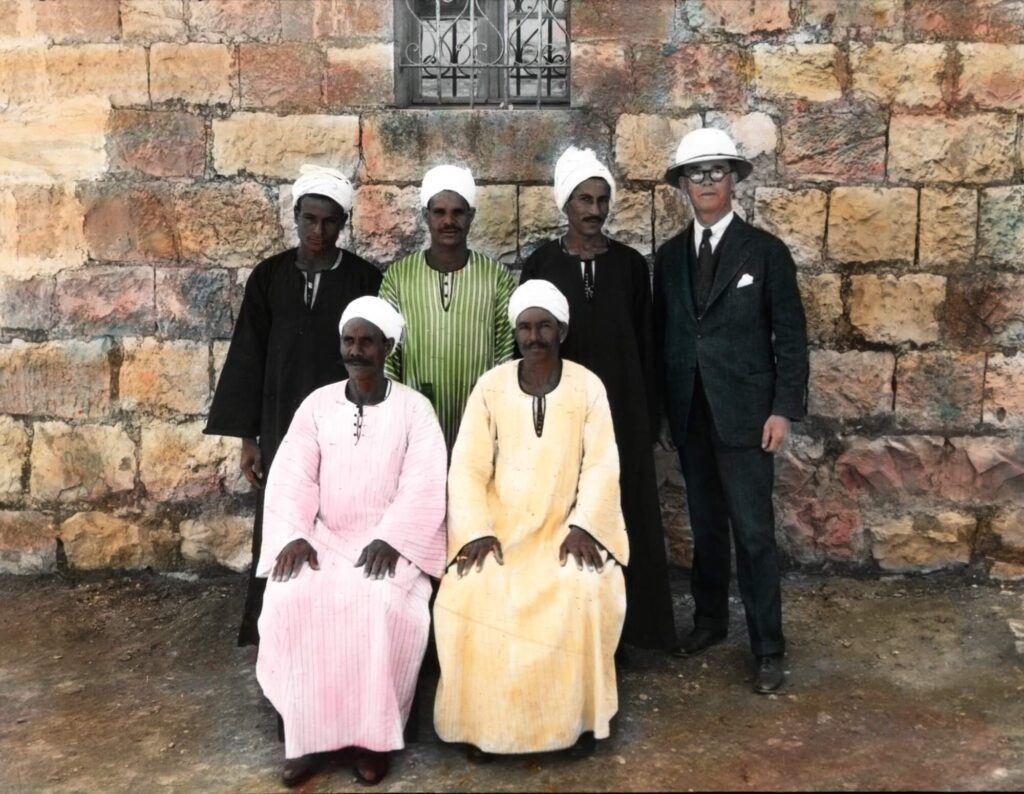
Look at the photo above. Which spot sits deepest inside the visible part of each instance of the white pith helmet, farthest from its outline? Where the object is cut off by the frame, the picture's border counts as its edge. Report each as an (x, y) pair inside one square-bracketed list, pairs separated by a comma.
[(704, 145)]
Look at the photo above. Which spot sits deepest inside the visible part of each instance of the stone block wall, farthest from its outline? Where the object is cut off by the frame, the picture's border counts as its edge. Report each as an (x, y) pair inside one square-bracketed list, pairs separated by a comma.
[(146, 148)]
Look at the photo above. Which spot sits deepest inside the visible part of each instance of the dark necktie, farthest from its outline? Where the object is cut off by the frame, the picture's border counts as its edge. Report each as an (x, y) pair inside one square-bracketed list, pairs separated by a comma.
[(705, 269)]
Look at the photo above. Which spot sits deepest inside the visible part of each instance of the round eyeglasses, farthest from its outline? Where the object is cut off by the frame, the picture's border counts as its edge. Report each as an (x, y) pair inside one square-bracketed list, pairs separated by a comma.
[(716, 174)]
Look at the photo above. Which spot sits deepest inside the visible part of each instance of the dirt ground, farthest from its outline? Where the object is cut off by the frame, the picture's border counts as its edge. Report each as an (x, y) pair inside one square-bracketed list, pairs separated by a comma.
[(133, 683)]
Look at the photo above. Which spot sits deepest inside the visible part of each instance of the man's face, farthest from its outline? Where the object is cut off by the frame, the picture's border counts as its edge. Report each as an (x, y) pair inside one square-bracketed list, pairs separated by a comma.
[(363, 347), (318, 222), (709, 199), (538, 334), (588, 205), (449, 217)]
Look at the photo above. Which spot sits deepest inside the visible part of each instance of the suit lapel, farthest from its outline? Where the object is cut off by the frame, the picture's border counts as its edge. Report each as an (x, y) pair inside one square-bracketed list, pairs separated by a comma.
[(686, 265), (732, 257)]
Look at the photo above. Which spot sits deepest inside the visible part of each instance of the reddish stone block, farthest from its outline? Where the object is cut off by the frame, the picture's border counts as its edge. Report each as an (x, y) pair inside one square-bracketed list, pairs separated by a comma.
[(740, 16), (129, 223), (78, 20), (982, 20), (69, 379), (986, 311), (283, 76), (619, 19), (28, 542), (940, 389), (706, 76), (193, 303), (235, 20), (892, 467), (156, 143), (26, 304), (599, 72), (360, 76), (226, 224), (101, 301), (843, 142)]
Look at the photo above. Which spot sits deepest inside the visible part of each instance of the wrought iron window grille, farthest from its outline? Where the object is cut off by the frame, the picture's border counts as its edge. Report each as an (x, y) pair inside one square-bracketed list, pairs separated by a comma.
[(482, 52)]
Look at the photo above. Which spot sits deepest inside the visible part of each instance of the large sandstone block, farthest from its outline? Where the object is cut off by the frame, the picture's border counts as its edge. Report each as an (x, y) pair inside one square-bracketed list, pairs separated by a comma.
[(867, 224), (356, 76), (156, 143), (14, 443), (54, 141), (26, 304), (940, 389), (702, 75), (165, 376), (991, 75), (890, 468), (614, 19), (1004, 397), (756, 136), (178, 463), (797, 217), (226, 224), (28, 542), (796, 71), (43, 230), (923, 542), (1008, 529), (498, 146), (193, 303), (823, 305), (110, 71), (347, 20), (672, 214), (983, 20), (72, 463), (387, 222), (897, 310), (74, 20), (236, 20), (986, 469), (1007, 572), (739, 16), (645, 145), (100, 540), (946, 233), (539, 218), (276, 146), (902, 74), (850, 385), (976, 148), (153, 20), (878, 16), (70, 379), (629, 221), (844, 142), (280, 76), (988, 311), (223, 539), (1001, 226), (599, 72), (203, 74), (494, 227), (23, 78), (99, 301), (129, 223)]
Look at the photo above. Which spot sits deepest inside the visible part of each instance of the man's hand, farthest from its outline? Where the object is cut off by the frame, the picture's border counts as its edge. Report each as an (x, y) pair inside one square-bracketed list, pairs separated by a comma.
[(776, 431), (379, 557), (476, 552), (584, 549), (291, 558), (252, 462)]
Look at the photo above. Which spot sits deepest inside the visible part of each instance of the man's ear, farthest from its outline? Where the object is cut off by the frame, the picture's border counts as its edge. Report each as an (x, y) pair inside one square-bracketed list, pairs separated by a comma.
[(563, 332), (471, 214), (389, 345)]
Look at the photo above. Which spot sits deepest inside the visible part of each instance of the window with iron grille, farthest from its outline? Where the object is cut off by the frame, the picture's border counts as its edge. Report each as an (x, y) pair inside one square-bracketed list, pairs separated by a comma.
[(482, 52)]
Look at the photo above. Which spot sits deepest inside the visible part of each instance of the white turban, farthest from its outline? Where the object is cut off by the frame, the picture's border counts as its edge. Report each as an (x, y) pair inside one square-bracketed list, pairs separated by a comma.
[(377, 311), (541, 294), (576, 166), (322, 181), (448, 177)]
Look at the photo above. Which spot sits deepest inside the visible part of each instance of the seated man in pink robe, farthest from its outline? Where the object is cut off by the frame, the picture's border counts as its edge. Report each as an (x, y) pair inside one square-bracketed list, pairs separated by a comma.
[(353, 529)]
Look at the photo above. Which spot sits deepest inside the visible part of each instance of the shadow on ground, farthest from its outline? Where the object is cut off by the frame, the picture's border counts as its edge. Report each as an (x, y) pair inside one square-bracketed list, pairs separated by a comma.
[(132, 683)]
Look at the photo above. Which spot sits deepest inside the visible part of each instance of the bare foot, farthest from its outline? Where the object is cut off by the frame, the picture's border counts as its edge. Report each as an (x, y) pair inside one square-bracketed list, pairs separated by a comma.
[(372, 768)]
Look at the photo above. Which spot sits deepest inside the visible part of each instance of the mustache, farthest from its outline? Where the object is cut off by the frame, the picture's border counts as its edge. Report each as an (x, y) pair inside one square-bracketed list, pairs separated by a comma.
[(357, 361), (597, 218), (536, 346)]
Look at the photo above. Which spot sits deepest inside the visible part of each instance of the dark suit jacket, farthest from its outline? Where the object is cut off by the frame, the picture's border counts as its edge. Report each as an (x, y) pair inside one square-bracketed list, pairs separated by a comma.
[(750, 344)]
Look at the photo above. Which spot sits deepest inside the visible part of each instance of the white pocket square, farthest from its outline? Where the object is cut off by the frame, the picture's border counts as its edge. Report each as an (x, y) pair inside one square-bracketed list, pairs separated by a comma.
[(745, 280)]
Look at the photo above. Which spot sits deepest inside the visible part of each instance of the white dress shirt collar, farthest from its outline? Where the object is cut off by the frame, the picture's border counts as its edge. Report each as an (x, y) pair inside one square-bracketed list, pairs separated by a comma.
[(717, 230)]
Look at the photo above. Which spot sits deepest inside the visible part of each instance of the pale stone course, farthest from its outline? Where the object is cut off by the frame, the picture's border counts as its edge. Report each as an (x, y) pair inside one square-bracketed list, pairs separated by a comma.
[(1004, 391), (629, 221), (177, 462), (387, 222), (755, 134), (797, 217), (922, 543), (33, 213), (95, 540), (14, 443), (645, 145), (223, 539), (897, 310), (796, 71), (823, 305), (867, 224), (1001, 226), (75, 462), (991, 75), (55, 141), (902, 74), (236, 20), (65, 21), (947, 227), (204, 74), (69, 379), (1008, 527), (494, 227), (672, 213), (111, 71), (153, 20), (739, 16), (975, 148), (868, 15), (226, 224), (940, 388), (165, 376), (539, 218), (276, 146), (850, 385)]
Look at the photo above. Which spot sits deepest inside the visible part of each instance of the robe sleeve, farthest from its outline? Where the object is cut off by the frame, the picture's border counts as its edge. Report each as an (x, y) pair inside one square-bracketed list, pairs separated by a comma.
[(504, 339), (389, 292), (598, 508), (413, 523), (237, 405), (470, 475), (292, 499)]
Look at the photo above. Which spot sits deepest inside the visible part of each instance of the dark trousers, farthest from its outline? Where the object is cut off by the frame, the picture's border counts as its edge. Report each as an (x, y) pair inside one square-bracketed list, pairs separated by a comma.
[(731, 487)]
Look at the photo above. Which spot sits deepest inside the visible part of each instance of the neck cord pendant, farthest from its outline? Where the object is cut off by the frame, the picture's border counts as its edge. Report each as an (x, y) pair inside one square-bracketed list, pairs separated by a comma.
[(588, 280), (359, 423), (538, 415)]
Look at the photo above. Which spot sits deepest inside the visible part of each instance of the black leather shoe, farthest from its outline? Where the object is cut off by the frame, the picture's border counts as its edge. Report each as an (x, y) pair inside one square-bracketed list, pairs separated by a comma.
[(584, 746), (299, 770), (698, 641), (769, 675)]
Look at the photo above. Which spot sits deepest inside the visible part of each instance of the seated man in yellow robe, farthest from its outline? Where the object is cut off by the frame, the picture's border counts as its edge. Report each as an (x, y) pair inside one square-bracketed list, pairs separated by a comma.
[(529, 613)]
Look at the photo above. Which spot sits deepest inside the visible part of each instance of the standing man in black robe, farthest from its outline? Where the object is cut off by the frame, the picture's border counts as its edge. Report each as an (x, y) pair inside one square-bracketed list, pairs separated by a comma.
[(608, 288), (286, 341)]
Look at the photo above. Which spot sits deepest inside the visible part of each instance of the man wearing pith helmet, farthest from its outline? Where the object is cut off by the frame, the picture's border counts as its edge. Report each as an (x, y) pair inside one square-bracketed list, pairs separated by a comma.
[(731, 334)]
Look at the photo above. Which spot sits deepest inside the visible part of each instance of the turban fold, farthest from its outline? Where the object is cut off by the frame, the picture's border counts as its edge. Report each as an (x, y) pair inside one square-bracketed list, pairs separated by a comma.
[(576, 166), (377, 311), (541, 294), (448, 177), (322, 181)]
